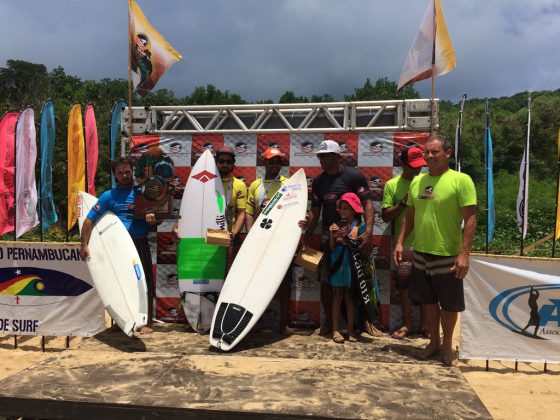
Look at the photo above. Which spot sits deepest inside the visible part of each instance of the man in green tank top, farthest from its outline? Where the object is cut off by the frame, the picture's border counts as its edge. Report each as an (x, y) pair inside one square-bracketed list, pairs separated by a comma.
[(437, 203)]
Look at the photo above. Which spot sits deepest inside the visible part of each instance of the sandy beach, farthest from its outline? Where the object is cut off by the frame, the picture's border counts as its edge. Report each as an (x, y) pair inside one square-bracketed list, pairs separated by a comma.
[(527, 393)]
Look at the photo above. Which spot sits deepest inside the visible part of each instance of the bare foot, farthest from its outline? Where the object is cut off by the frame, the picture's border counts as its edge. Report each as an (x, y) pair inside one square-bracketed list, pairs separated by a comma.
[(430, 350), (447, 357), (146, 330), (352, 338)]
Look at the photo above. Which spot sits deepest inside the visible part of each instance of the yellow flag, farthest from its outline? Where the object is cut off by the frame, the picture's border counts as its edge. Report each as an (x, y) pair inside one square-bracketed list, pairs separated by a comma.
[(76, 162), (418, 64), (557, 233), (150, 55)]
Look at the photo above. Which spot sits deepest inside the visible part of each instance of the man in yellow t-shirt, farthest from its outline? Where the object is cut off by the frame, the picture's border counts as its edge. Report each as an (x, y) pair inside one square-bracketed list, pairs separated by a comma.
[(437, 202), (260, 193)]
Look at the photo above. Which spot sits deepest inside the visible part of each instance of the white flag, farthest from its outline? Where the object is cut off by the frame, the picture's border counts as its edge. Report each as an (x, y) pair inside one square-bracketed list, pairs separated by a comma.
[(26, 188), (523, 194)]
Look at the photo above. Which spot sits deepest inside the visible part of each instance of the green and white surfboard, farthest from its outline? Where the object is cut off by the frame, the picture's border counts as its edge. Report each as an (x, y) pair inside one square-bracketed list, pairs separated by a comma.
[(200, 267)]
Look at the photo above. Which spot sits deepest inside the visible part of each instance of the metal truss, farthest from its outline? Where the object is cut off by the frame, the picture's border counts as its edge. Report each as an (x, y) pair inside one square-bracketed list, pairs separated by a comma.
[(380, 116)]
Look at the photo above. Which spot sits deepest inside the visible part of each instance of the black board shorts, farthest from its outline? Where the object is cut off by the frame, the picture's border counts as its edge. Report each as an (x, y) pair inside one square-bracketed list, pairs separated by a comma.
[(433, 282)]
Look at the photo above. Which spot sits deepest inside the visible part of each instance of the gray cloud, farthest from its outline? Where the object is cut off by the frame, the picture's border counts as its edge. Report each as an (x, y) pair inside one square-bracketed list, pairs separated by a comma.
[(261, 48)]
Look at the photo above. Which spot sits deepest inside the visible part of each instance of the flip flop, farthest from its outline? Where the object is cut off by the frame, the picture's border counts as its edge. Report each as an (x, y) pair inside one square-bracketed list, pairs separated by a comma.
[(352, 338), (400, 333), (338, 338)]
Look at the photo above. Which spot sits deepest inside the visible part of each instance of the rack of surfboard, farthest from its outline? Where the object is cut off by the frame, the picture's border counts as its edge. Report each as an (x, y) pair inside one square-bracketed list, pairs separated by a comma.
[(229, 306)]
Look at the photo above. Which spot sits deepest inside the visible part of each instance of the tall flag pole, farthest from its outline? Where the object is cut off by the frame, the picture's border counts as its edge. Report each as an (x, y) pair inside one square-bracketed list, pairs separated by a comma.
[(47, 209), (557, 221), (523, 195), (26, 187), (431, 53), (489, 163), (7, 162), (76, 164), (458, 132), (114, 132)]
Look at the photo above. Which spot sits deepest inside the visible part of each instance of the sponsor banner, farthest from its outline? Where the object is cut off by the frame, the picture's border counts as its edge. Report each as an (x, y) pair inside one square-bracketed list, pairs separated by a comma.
[(303, 148), (375, 150), (46, 289), (513, 309), (376, 154), (244, 146)]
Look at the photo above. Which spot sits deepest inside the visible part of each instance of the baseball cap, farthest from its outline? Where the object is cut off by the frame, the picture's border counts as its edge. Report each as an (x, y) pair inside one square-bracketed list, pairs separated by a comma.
[(328, 146), (273, 152), (225, 150), (413, 157), (354, 202)]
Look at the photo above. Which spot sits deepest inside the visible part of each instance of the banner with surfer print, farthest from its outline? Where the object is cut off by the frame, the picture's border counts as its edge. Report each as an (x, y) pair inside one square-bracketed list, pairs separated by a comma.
[(150, 54), (431, 52), (7, 161), (26, 187), (46, 289), (76, 162), (513, 309)]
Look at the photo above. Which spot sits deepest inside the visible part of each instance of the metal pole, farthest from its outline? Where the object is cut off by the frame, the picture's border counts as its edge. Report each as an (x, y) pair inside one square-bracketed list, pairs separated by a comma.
[(556, 206), (486, 152)]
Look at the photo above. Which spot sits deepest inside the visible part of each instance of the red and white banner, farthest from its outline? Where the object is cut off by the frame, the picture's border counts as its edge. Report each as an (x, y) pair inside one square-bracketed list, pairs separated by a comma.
[(46, 289), (375, 154), (513, 309)]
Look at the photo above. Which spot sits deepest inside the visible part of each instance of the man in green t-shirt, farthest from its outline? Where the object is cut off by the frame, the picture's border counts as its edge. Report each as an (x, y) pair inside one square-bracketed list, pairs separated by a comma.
[(437, 203), (395, 194)]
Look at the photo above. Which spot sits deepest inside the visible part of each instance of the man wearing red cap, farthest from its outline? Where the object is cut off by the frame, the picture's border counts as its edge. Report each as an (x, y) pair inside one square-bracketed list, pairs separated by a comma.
[(260, 192), (437, 203), (395, 194)]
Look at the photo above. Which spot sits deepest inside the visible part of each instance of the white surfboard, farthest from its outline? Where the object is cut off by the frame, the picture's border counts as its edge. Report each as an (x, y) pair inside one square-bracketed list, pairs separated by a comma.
[(260, 265), (201, 267), (115, 268)]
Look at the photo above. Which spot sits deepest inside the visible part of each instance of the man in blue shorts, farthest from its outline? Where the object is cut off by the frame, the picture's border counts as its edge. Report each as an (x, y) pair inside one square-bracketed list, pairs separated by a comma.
[(437, 202), (120, 200)]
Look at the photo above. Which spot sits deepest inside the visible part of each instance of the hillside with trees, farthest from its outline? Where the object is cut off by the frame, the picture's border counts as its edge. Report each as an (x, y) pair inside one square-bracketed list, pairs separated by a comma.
[(27, 84)]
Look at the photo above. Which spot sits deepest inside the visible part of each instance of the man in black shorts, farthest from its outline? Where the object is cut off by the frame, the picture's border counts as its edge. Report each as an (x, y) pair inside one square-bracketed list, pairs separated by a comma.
[(327, 188), (437, 202)]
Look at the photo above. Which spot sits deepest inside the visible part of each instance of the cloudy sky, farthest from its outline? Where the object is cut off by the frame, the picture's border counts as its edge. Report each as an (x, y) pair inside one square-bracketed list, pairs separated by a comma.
[(261, 48)]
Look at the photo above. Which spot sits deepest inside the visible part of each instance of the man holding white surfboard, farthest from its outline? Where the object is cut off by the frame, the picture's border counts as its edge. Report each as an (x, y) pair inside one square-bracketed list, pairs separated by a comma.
[(327, 189), (260, 193), (120, 200)]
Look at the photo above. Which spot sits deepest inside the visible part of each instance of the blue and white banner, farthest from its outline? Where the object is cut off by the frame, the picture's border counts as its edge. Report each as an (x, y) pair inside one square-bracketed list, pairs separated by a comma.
[(46, 289), (513, 309)]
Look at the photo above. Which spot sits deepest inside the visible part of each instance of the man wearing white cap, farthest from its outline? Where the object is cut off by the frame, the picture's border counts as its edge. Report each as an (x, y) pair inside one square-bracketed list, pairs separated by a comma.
[(327, 189)]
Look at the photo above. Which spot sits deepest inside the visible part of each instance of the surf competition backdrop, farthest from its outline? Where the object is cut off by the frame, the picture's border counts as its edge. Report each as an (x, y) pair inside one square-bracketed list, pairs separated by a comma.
[(513, 309), (46, 289), (375, 154)]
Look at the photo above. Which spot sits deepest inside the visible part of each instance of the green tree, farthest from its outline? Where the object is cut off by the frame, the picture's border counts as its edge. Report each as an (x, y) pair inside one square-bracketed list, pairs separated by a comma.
[(384, 89)]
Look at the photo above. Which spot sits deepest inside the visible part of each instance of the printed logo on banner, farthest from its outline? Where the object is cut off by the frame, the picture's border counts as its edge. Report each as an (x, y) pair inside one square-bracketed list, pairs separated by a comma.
[(178, 149), (202, 142), (303, 148), (532, 311), (32, 286), (375, 150), (245, 148)]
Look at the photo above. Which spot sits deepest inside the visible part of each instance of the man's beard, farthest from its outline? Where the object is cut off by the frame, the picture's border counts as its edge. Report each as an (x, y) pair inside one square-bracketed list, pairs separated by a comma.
[(129, 183)]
